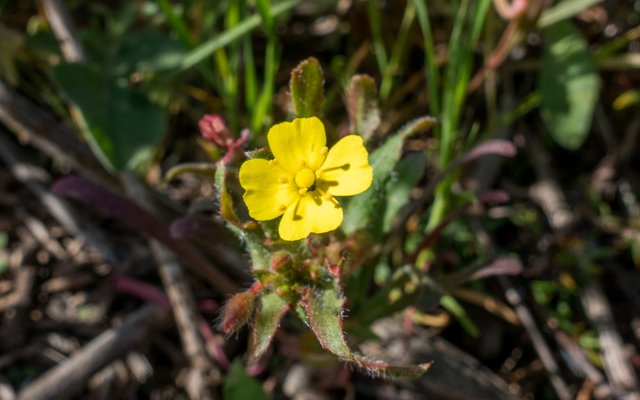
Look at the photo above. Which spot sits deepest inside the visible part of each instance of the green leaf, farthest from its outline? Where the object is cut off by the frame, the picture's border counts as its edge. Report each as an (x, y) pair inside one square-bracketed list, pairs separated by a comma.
[(267, 320), (147, 50), (569, 85), (227, 210), (249, 233), (239, 385), (563, 10), (365, 209), (306, 88), (404, 178), (362, 105), (209, 47), (122, 126), (323, 307)]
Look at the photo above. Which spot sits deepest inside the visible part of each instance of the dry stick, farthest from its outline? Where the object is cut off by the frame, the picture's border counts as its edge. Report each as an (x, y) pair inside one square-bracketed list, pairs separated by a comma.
[(30, 176), (549, 195), (63, 30), (203, 371), (69, 378), (546, 357)]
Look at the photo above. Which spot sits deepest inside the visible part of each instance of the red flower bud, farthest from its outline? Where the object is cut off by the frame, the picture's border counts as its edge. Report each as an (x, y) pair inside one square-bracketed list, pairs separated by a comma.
[(237, 311), (215, 130)]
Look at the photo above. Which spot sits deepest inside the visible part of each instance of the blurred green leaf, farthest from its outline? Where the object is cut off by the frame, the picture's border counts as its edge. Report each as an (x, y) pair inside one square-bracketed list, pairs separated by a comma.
[(405, 177), (455, 308), (306, 88), (569, 85), (122, 126), (227, 210), (239, 385), (209, 47), (564, 10), (147, 50), (323, 307), (362, 105), (272, 309), (365, 209), (627, 99)]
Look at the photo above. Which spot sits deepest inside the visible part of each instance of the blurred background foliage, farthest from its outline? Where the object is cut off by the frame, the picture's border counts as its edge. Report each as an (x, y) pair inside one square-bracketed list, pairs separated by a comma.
[(558, 79)]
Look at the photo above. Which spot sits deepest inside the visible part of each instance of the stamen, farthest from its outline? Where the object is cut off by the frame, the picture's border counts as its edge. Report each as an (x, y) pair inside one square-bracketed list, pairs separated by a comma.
[(302, 191), (283, 179), (302, 163), (282, 208), (273, 162)]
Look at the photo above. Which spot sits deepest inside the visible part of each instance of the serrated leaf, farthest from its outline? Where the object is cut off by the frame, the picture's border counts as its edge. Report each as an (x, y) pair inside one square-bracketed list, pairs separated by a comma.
[(239, 385), (323, 307), (398, 188), (267, 320), (362, 106), (569, 85), (365, 209), (306, 88), (122, 126)]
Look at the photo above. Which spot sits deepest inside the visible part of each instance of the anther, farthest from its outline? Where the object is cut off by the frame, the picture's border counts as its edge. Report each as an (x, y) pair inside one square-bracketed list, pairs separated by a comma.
[(302, 163)]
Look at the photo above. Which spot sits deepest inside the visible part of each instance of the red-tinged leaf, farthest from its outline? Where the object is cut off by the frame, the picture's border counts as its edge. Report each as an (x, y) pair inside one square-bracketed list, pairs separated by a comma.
[(323, 308), (381, 368), (505, 265), (306, 88), (496, 147), (113, 205), (266, 322)]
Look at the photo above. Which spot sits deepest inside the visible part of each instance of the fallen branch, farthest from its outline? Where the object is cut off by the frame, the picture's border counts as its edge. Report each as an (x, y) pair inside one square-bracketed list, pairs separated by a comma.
[(68, 378)]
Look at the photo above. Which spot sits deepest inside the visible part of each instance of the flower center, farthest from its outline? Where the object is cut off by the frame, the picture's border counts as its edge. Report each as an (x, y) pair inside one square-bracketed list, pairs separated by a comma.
[(305, 178)]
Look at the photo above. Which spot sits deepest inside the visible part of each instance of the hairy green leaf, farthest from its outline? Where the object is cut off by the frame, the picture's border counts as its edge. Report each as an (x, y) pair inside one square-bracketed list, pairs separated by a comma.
[(306, 88), (272, 309), (398, 188), (323, 307), (365, 209), (362, 105)]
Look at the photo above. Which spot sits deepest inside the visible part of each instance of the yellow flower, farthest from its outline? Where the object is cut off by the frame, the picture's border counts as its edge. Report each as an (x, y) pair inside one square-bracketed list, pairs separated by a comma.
[(304, 177)]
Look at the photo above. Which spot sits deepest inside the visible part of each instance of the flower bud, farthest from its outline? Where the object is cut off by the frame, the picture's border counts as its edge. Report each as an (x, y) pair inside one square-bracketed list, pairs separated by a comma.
[(237, 311), (215, 130), (280, 260)]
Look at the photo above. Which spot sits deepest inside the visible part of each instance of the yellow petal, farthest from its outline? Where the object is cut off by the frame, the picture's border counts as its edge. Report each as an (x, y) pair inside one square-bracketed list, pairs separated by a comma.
[(298, 144), (269, 189), (346, 171), (313, 213)]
